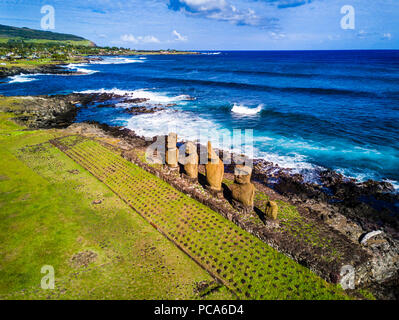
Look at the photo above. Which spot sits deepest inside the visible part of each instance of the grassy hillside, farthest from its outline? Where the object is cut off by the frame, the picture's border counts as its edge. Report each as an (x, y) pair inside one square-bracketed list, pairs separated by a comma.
[(8, 33)]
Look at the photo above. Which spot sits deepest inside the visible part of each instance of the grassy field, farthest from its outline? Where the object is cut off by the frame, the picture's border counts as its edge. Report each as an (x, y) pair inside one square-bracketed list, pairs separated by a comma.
[(246, 265), (98, 251), (32, 64), (53, 211), (83, 43)]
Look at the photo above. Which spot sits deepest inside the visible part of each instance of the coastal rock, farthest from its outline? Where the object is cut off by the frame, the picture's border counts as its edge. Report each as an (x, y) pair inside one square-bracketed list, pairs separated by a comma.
[(368, 236), (41, 111), (214, 170), (46, 69), (136, 100), (142, 110)]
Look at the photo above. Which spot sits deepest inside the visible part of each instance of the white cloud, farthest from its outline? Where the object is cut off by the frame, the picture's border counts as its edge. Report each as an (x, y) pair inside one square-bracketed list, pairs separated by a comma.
[(178, 36), (220, 10), (202, 5), (277, 35), (387, 36), (140, 39)]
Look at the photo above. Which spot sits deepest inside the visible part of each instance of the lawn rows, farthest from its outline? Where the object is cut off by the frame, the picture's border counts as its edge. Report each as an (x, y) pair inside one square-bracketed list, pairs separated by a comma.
[(246, 265)]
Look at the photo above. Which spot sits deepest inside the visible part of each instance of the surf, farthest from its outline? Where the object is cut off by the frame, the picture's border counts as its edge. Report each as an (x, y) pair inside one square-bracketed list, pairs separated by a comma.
[(243, 110)]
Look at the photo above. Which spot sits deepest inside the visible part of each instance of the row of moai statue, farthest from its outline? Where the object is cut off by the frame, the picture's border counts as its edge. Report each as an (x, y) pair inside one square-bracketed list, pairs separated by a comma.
[(242, 190)]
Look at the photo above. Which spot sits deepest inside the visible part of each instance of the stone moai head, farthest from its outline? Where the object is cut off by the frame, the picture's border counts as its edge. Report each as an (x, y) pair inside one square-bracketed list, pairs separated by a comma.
[(212, 156), (172, 153), (190, 148), (171, 140), (271, 210), (191, 160), (242, 174)]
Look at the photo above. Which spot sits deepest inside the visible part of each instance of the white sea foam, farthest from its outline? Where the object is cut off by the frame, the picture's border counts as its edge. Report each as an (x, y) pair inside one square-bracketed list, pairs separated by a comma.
[(191, 127), (241, 109), (187, 125), (154, 97), (80, 67), (119, 60), (21, 78), (195, 128), (76, 65), (211, 53), (394, 183), (294, 161)]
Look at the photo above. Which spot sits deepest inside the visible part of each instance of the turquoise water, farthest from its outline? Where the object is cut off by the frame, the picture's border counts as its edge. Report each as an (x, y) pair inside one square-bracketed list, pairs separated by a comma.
[(331, 109)]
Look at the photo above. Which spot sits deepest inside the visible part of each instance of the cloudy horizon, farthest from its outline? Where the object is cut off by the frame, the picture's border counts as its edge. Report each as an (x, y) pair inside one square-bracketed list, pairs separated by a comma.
[(218, 24)]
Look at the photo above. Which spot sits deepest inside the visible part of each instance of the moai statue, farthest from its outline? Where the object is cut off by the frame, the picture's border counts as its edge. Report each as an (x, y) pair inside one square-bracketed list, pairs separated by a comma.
[(214, 172), (271, 210), (243, 191), (172, 153), (191, 162)]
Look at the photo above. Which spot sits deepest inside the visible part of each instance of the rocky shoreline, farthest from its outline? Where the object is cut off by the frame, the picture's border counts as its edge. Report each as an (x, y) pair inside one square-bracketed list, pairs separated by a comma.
[(56, 69), (375, 256), (366, 213)]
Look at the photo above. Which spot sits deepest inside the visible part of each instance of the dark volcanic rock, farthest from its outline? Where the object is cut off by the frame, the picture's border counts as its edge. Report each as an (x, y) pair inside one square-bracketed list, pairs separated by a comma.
[(136, 100), (139, 110), (43, 111), (100, 97), (48, 69)]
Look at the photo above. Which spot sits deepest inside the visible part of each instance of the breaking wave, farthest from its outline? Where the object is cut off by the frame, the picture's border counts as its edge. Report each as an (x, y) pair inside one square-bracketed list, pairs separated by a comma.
[(241, 109), (21, 78), (79, 67), (154, 97), (119, 60)]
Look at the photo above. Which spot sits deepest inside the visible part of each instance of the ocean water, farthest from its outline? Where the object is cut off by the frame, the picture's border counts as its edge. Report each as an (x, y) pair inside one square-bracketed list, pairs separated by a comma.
[(307, 109)]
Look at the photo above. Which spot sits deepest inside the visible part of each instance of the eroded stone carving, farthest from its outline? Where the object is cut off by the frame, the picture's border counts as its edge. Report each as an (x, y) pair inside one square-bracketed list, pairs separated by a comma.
[(172, 153), (214, 170), (271, 210), (191, 161), (243, 191)]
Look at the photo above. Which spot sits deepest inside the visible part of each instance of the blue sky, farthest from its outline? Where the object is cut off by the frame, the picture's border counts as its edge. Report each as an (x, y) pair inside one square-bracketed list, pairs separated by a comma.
[(216, 24)]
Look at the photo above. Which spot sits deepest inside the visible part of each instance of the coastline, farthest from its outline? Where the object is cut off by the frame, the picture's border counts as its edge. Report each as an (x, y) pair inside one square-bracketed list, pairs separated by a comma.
[(57, 67), (339, 204)]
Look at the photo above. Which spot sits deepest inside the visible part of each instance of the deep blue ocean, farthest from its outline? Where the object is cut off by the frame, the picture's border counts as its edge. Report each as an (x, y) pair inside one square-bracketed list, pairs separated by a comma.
[(331, 109)]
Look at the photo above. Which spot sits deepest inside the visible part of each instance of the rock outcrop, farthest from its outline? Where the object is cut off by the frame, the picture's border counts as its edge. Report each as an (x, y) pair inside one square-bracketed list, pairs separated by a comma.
[(41, 111)]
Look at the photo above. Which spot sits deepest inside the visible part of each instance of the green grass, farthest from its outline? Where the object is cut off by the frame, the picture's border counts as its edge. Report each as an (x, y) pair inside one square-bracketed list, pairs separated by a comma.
[(47, 217), (302, 229), (82, 43), (31, 64), (245, 264), (32, 34)]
